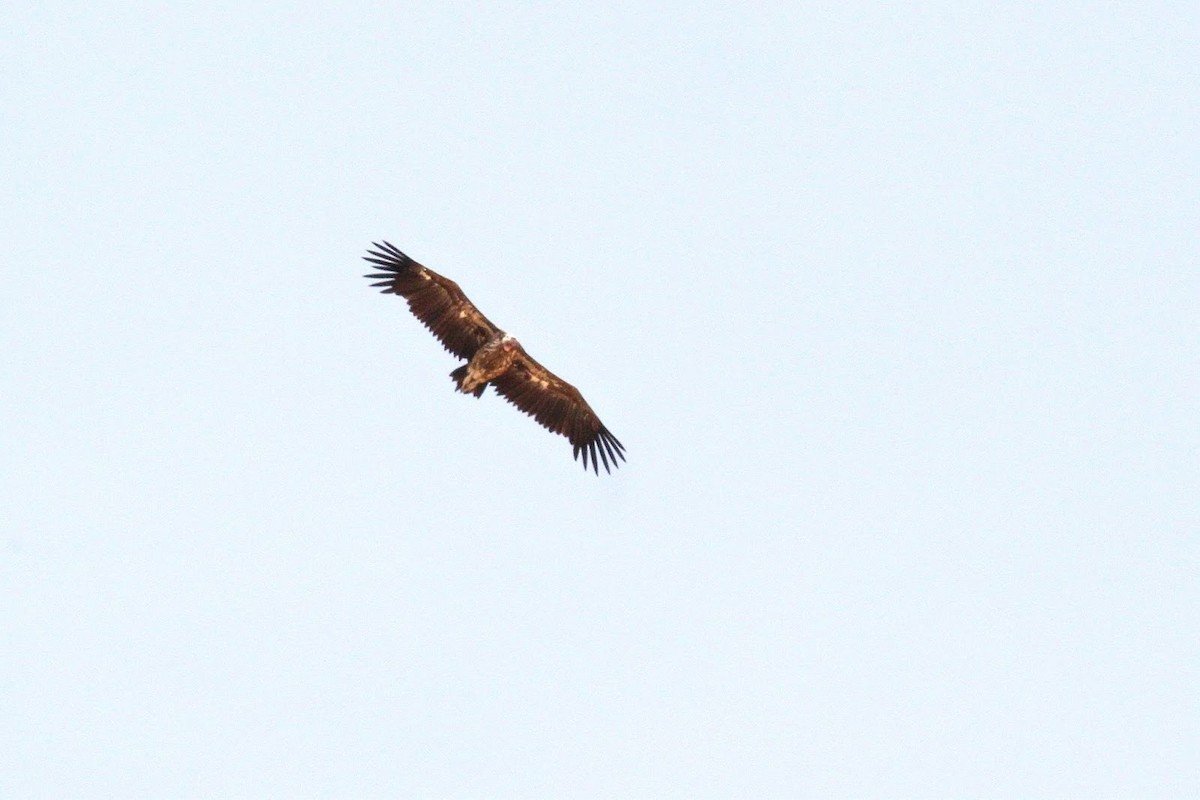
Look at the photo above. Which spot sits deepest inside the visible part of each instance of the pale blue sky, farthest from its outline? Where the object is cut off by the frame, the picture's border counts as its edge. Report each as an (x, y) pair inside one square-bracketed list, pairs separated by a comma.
[(894, 308)]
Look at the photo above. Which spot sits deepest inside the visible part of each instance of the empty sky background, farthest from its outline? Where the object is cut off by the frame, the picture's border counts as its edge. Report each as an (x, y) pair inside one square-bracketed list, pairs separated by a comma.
[(894, 308)]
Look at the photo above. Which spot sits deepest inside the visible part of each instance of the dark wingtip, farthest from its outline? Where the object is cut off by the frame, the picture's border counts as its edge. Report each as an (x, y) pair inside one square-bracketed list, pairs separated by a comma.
[(604, 450), (386, 255)]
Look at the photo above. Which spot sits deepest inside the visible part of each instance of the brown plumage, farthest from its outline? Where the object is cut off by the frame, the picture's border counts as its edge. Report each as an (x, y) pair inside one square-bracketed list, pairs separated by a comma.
[(493, 357)]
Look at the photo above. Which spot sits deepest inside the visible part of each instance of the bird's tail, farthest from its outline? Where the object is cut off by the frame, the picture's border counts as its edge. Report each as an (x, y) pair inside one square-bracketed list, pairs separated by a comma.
[(460, 375)]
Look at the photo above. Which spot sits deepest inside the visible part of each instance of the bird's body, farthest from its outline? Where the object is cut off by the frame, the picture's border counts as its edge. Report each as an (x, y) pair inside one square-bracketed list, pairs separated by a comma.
[(493, 357), (490, 361)]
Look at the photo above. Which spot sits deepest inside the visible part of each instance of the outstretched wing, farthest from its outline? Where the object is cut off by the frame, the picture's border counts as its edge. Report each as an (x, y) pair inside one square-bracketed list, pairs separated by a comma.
[(560, 408), (434, 299)]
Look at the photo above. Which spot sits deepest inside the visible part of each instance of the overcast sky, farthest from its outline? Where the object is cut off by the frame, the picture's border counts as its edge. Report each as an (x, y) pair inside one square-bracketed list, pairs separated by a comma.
[(895, 310)]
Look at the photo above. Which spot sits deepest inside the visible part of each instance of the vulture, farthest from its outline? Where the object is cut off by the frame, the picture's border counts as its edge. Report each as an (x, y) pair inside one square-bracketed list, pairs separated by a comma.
[(493, 357)]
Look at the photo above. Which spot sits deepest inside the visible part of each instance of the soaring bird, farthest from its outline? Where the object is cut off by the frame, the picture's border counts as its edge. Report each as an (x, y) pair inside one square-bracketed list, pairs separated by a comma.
[(494, 357)]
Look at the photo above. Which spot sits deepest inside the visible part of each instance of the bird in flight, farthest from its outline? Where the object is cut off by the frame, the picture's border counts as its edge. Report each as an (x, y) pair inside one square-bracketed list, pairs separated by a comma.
[(493, 357)]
